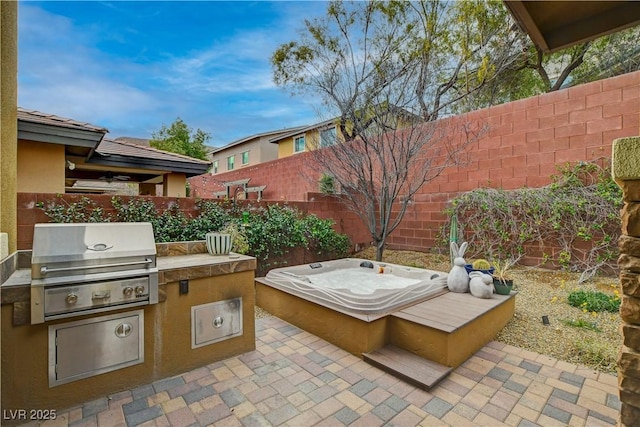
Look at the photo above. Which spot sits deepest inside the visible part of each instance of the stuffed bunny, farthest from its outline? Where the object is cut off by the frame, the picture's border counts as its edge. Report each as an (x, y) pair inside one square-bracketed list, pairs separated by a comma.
[(458, 279), (480, 284)]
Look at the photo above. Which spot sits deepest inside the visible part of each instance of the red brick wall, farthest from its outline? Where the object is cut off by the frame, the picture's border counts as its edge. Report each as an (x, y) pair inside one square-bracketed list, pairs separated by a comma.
[(525, 141), (323, 206), (29, 214)]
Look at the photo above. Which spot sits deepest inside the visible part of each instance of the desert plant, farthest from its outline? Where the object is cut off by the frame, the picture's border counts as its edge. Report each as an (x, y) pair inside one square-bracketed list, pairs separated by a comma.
[(581, 323), (595, 353), (240, 243), (594, 301), (481, 264), (327, 184), (501, 269)]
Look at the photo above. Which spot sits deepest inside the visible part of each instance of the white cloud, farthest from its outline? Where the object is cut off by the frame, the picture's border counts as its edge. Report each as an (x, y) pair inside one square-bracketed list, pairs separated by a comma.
[(73, 68)]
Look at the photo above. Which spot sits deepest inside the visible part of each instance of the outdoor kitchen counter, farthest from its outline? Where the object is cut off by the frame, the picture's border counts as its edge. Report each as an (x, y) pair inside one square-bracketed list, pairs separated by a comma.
[(194, 266), (192, 288), (171, 268)]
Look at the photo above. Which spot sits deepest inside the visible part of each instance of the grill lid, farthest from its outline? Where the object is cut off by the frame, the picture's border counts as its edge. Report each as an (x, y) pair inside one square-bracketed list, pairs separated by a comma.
[(57, 247)]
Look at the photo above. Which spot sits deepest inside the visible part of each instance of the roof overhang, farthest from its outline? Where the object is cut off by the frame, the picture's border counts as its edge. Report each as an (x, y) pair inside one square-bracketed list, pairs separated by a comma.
[(122, 161), (556, 25), (40, 132)]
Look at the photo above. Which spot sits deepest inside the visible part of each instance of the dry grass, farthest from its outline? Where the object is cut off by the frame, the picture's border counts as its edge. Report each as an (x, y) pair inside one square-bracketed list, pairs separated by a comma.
[(594, 343)]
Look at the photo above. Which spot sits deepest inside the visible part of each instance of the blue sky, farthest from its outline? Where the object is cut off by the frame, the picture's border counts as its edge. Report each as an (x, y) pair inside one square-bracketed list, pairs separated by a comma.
[(134, 66)]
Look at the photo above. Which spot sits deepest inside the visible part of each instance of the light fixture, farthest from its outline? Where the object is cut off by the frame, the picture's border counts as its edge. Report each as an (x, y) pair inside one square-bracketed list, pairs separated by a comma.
[(71, 165)]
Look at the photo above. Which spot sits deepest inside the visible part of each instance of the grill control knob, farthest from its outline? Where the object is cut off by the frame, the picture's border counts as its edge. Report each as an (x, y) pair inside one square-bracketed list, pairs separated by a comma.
[(71, 298), (140, 290), (127, 291)]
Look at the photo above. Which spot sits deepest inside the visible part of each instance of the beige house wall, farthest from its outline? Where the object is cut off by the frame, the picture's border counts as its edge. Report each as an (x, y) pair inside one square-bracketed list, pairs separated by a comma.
[(40, 167), (8, 120), (174, 185), (285, 145), (260, 151)]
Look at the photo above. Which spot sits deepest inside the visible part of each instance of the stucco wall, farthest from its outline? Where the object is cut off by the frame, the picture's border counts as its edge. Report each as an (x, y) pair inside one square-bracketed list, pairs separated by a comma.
[(174, 185), (40, 167), (8, 119)]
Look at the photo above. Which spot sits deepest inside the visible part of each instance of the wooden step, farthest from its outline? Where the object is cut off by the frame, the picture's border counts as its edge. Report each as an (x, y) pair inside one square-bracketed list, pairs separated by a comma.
[(407, 366)]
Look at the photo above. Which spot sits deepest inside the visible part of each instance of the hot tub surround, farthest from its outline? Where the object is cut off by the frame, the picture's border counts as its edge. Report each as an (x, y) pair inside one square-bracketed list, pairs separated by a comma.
[(441, 326), (187, 278)]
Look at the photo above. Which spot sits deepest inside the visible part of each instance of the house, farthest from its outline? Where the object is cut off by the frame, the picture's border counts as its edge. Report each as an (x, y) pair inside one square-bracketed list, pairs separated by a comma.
[(305, 138), (328, 132), (55, 154), (247, 151)]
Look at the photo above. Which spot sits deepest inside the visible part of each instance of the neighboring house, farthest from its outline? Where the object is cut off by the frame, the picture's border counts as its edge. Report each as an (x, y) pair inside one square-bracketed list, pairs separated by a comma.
[(327, 133), (306, 138), (247, 151), (61, 155)]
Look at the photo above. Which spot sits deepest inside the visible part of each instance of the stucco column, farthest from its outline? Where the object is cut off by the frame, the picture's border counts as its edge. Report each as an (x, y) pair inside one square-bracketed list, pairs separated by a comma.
[(174, 185), (626, 171), (8, 120)]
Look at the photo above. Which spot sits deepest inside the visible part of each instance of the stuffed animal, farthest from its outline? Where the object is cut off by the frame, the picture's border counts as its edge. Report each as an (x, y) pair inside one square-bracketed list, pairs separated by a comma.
[(480, 284), (458, 279)]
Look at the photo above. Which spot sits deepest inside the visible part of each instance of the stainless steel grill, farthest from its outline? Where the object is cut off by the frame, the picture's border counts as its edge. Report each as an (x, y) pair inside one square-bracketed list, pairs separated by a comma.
[(85, 268)]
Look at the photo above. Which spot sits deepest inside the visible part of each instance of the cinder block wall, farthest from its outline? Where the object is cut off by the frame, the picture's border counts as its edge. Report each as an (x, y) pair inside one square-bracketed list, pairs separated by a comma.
[(525, 142)]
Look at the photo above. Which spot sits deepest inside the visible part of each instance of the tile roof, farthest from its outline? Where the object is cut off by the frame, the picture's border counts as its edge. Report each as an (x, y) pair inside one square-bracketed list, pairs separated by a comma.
[(272, 133), (122, 148), (133, 140), (34, 116)]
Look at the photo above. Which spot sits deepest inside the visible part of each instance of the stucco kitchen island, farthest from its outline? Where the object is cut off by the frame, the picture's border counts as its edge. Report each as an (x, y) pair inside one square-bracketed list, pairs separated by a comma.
[(199, 295)]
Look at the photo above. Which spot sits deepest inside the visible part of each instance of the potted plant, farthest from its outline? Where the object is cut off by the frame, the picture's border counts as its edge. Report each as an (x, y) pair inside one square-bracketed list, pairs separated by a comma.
[(481, 265), (229, 238), (501, 282)]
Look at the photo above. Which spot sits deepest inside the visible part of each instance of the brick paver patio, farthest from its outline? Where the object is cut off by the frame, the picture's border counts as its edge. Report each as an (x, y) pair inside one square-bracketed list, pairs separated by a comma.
[(294, 378)]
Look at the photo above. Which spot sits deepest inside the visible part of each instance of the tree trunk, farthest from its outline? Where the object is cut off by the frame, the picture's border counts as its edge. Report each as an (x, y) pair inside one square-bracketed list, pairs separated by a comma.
[(379, 251)]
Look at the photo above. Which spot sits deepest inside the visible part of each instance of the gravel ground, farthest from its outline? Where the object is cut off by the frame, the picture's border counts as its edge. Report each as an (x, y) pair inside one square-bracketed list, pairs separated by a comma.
[(542, 293)]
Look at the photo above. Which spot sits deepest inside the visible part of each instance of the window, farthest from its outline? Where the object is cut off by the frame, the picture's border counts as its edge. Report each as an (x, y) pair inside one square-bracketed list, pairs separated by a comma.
[(245, 158), (230, 161), (215, 166), (298, 144), (327, 137)]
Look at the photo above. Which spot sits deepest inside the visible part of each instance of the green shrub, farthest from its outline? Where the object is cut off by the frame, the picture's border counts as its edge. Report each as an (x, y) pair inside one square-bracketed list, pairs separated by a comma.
[(322, 238), (269, 234), (581, 205), (594, 301), (327, 184), (82, 210)]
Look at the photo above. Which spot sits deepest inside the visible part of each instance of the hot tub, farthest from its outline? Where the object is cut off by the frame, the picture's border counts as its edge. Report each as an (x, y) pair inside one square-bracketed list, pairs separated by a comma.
[(358, 286), (346, 301)]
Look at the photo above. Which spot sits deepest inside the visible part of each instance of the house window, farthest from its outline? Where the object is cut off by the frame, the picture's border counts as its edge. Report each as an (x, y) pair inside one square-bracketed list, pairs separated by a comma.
[(230, 161), (298, 144), (245, 158), (215, 166), (328, 137)]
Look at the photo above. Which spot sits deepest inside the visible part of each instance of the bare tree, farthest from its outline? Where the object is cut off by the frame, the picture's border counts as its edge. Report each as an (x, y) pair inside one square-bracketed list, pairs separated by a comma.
[(377, 176), (388, 72)]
